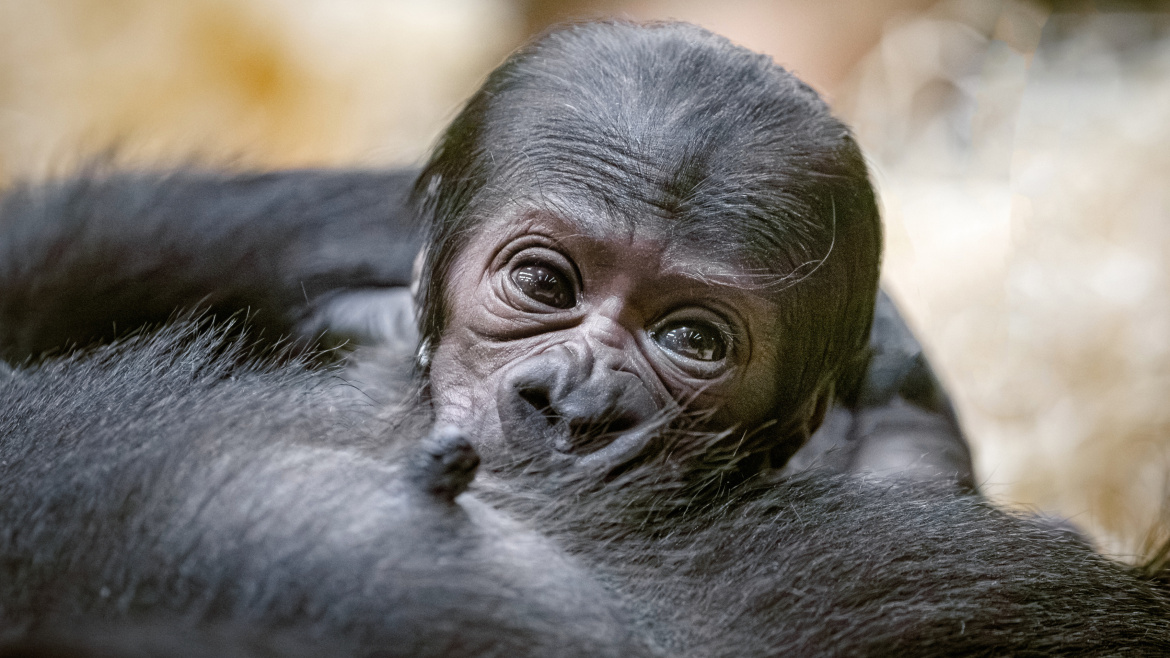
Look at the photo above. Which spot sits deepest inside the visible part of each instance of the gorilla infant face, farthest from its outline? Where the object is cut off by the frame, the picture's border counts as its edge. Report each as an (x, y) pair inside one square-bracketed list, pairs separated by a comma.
[(570, 334), (627, 220)]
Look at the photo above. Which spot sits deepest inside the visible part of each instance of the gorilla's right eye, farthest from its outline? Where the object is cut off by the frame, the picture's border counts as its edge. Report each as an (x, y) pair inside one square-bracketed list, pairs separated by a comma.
[(545, 284)]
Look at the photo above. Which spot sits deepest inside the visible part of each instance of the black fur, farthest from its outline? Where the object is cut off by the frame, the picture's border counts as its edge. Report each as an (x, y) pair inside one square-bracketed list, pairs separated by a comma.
[(162, 483), (167, 483), (160, 480), (309, 254), (91, 257)]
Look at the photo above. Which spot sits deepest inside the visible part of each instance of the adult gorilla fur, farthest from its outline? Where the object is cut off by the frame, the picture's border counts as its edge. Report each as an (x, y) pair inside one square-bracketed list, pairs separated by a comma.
[(160, 479), (159, 482), (750, 169), (98, 255)]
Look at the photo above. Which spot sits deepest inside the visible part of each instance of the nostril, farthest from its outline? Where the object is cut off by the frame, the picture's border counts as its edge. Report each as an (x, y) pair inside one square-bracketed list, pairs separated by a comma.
[(538, 399), (535, 397)]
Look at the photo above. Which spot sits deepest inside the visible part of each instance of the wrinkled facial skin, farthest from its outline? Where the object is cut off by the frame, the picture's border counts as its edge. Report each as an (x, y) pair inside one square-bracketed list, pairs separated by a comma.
[(570, 340)]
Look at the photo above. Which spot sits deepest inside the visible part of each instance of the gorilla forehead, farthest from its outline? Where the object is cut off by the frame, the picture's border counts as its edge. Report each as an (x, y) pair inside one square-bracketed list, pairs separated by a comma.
[(675, 124), (654, 93), (614, 238)]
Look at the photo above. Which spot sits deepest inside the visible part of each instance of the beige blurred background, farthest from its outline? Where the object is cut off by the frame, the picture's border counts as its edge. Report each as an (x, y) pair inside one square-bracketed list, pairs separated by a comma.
[(1022, 150)]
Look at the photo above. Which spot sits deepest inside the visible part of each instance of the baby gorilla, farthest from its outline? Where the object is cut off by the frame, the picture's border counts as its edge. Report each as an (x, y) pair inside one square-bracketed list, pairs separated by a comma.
[(626, 220), (164, 492)]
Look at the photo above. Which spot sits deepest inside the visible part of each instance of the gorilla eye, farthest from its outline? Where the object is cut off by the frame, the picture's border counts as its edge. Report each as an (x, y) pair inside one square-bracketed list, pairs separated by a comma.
[(545, 284), (697, 340)]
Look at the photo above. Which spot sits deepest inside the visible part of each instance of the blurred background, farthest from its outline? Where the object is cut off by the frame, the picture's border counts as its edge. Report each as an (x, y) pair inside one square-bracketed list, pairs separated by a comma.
[(1021, 149)]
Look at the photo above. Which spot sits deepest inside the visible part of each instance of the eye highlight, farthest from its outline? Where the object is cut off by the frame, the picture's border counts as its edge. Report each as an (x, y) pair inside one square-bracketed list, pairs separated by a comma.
[(545, 284), (692, 339)]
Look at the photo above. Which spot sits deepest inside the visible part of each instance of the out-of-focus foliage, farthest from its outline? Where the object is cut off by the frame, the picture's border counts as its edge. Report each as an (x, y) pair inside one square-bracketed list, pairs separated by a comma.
[(1023, 158)]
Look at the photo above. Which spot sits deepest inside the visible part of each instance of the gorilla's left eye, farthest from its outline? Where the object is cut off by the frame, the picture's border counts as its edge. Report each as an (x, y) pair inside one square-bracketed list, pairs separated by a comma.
[(545, 284), (694, 340)]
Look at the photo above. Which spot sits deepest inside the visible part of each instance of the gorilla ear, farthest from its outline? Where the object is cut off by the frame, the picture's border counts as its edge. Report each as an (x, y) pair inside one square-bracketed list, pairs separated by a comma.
[(422, 355)]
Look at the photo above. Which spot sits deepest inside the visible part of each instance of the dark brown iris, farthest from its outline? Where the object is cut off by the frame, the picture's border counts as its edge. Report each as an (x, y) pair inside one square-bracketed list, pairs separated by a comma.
[(545, 285)]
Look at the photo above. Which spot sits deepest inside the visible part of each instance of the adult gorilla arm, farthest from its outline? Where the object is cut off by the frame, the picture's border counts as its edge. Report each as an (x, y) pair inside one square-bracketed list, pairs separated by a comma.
[(96, 255), (312, 253)]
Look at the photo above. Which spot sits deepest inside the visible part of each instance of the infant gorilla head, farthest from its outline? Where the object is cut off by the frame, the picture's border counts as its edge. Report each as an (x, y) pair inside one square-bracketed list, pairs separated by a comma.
[(631, 220)]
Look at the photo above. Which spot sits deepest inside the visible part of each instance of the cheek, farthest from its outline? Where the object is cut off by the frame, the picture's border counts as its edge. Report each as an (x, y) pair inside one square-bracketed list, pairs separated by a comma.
[(464, 397), (466, 373), (745, 410), (451, 382), (750, 399), (465, 370)]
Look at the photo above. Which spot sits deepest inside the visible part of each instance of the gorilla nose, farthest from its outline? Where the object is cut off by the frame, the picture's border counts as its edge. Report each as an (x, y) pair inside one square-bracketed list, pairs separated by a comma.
[(580, 410), (586, 420)]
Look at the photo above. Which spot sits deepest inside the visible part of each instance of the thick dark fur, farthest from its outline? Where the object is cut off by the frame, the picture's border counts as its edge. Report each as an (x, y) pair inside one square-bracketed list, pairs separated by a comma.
[(307, 255), (159, 480), (166, 483), (162, 483), (91, 257)]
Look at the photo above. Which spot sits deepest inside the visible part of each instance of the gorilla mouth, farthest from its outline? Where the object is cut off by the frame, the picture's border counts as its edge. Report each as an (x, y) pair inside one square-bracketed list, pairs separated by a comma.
[(587, 437), (612, 435), (619, 448)]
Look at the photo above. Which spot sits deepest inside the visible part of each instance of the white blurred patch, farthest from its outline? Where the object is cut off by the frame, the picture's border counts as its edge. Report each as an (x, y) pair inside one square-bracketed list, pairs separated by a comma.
[(1023, 161)]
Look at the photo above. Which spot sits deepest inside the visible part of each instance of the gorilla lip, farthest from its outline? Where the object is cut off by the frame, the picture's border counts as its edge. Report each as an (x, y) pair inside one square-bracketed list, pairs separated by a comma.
[(622, 449)]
